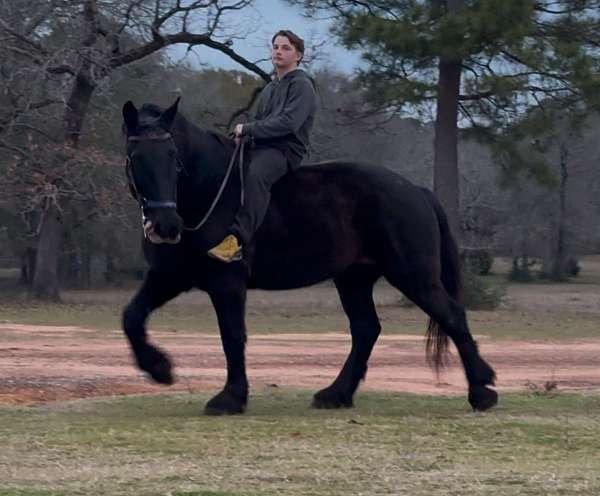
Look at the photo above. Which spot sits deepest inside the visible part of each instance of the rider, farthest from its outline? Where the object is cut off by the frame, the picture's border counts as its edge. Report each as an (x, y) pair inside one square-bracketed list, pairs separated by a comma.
[(279, 133)]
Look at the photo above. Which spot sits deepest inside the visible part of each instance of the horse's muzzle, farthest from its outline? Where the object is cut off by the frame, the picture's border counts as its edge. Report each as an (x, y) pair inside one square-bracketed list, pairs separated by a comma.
[(156, 237)]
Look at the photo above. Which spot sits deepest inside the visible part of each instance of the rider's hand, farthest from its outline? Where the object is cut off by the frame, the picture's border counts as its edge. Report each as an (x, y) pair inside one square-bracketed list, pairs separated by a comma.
[(239, 129)]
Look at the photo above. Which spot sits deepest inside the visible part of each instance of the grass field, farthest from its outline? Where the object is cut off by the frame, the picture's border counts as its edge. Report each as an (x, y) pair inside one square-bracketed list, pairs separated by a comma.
[(498, 324), (389, 444), (537, 443), (531, 311)]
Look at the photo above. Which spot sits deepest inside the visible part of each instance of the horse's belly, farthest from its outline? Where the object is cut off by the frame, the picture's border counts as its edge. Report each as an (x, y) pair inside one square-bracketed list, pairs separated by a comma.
[(303, 263), (284, 272)]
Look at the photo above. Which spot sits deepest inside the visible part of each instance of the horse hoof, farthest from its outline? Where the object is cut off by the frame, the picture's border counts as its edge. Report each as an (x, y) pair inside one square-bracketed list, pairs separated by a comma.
[(482, 398), (157, 365), (224, 403), (330, 398)]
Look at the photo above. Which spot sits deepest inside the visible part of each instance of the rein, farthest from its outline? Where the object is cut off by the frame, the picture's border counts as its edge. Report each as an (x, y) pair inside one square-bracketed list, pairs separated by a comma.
[(239, 147)]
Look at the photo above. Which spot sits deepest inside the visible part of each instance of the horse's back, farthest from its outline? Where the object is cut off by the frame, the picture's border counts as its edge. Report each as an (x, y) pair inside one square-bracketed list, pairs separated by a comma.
[(328, 216)]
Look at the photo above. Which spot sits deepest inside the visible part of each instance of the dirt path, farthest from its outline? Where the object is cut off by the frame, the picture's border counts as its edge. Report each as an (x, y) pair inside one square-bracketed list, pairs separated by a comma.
[(48, 363)]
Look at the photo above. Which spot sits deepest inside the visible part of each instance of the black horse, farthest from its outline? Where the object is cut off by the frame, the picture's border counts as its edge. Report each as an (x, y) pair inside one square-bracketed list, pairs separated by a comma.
[(347, 221)]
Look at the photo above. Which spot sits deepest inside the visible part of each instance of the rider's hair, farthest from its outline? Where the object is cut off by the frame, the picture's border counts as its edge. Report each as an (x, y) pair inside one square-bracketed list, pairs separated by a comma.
[(295, 40)]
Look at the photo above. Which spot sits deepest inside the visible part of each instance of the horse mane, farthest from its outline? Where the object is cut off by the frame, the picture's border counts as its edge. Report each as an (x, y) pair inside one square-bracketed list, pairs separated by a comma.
[(152, 109), (150, 112)]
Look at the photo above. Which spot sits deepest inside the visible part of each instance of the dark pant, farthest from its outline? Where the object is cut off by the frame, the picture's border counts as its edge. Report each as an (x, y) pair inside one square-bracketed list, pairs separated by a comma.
[(267, 165)]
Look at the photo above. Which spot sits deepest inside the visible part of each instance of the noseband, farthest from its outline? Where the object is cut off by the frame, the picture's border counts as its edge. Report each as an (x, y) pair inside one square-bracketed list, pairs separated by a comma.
[(142, 200)]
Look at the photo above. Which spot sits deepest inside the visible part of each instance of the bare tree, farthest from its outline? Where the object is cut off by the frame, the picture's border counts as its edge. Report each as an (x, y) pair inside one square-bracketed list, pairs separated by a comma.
[(63, 51)]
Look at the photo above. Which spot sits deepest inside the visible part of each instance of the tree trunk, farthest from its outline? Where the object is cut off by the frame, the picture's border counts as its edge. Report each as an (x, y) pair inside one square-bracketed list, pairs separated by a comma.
[(111, 268), (27, 267), (77, 106), (46, 285), (559, 263), (445, 164), (86, 264), (45, 279)]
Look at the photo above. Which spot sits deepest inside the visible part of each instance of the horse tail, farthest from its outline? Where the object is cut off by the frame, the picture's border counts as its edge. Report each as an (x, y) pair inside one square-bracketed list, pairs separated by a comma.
[(451, 276)]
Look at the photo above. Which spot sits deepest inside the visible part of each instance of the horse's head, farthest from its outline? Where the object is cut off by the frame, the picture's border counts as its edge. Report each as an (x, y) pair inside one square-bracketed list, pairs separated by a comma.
[(153, 166)]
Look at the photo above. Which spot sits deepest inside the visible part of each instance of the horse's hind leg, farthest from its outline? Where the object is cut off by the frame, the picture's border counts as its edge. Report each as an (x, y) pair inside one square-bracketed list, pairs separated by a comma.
[(355, 287), (155, 292), (451, 318)]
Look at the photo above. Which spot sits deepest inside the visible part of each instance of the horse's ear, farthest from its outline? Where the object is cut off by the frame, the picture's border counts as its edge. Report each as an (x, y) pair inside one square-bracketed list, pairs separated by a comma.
[(168, 116), (130, 116)]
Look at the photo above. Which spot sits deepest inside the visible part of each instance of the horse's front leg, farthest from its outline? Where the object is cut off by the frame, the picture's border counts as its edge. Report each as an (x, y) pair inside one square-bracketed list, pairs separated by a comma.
[(229, 300), (156, 290)]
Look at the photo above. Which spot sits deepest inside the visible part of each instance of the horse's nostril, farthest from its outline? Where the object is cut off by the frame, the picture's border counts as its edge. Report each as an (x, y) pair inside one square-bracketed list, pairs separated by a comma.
[(173, 233), (159, 228)]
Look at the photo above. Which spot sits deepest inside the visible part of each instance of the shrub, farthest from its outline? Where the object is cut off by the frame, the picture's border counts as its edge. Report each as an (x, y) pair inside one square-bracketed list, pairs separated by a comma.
[(562, 273), (572, 267), (521, 271), (481, 293), (477, 260)]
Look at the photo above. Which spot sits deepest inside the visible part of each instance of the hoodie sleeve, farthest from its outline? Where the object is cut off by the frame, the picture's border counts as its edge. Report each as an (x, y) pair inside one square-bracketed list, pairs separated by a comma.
[(300, 103)]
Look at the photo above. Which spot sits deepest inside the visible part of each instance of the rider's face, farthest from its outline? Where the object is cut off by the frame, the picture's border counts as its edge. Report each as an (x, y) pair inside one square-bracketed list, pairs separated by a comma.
[(283, 54)]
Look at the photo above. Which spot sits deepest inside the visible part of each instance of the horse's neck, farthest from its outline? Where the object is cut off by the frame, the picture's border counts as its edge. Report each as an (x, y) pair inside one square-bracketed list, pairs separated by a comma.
[(206, 162)]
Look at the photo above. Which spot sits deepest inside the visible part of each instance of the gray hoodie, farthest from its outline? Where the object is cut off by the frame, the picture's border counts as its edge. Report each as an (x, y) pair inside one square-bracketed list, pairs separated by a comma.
[(284, 116)]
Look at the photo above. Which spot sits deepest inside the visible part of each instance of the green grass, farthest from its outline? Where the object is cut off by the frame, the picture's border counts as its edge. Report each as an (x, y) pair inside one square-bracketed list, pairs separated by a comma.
[(389, 444), (542, 326), (187, 317), (499, 324), (317, 309)]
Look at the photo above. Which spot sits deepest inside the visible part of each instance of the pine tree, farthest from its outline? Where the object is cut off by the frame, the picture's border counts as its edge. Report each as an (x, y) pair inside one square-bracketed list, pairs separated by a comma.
[(481, 63)]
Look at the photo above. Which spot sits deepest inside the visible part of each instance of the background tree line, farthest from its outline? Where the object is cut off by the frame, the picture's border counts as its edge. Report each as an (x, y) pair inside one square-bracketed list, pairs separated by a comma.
[(492, 104)]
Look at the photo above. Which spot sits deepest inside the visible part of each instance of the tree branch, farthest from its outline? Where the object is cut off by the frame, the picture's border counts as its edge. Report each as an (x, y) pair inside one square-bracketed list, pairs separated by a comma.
[(244, 109), (39, 48), (42, 16), (189, 39)]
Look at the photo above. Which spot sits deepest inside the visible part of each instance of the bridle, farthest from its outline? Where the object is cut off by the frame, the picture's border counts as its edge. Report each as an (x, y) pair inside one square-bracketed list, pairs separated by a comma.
[(142, 200), (146, 203)]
